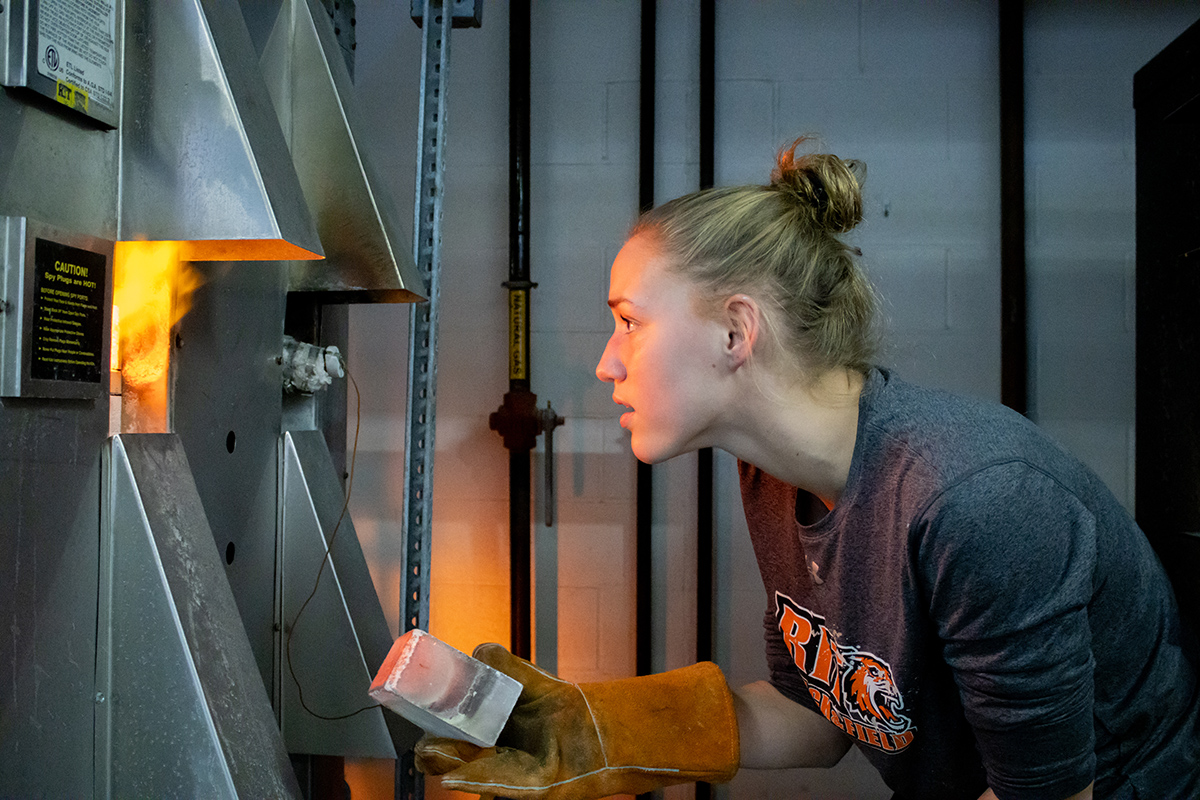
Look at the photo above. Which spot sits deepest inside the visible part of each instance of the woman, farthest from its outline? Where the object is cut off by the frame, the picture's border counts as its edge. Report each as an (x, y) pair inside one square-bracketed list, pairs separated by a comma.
[(975, 610)]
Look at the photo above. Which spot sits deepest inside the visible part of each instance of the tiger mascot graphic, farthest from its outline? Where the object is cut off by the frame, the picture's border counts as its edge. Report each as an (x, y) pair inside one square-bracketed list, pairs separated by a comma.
[(871, 692), (852, 688)]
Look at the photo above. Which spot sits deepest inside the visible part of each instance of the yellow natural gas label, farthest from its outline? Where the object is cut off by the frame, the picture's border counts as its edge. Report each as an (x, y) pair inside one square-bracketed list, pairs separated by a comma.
[(71, 96), (518, 347)]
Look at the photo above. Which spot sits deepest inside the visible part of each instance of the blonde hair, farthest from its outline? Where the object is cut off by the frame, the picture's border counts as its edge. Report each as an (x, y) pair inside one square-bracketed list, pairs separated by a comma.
[(780, 244)]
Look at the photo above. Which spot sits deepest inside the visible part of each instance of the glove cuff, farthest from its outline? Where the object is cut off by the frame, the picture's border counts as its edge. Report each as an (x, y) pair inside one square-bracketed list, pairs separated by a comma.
[(673, 727)]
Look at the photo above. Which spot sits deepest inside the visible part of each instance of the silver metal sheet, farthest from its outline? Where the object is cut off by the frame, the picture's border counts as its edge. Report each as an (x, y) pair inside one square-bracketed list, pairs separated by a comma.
[(13, 292), (226, 409), (14, 56), (54, 170), (203, 157), (341, 638), (366, 257), (63, 172), (49, 551), (183, 712)]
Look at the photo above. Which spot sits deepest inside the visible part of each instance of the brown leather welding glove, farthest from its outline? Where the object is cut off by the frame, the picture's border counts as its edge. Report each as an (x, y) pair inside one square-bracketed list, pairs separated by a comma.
[(567, 741)]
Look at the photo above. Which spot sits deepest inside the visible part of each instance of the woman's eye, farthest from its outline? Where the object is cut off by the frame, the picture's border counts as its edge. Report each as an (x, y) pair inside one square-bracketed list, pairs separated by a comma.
[(627, 322)]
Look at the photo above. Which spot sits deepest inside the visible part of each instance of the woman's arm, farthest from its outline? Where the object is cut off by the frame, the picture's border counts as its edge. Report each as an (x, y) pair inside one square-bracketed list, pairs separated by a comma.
[(777, 733)]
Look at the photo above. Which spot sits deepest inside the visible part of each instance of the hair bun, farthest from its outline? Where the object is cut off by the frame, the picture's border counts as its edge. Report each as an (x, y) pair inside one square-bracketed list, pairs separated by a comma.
[(827, 188)]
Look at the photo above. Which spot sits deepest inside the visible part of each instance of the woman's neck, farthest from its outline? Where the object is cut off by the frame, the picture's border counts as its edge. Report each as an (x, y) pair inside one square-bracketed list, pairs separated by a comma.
[(802, 432)]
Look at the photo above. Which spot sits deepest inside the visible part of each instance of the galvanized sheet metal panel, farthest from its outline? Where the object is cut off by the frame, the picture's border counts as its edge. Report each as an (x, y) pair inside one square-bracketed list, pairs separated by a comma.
[(188, 713), (202, 154), (342, 636), (367, 259)]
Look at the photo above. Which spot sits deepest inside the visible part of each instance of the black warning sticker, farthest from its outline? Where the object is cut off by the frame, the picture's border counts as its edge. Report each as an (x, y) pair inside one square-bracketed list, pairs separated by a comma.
[(68, 313)]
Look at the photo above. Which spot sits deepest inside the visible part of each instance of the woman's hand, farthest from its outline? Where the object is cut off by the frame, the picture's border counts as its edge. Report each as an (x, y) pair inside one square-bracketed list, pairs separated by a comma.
[(567, 741)]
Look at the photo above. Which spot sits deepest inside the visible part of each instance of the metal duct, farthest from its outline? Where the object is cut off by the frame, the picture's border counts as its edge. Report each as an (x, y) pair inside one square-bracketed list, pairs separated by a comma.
[(180, 706), (342, 638), (202, 158), (367, 260), (124, 616)]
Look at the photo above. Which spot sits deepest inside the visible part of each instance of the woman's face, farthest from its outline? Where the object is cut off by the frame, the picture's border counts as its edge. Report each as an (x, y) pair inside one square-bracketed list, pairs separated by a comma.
[(664, 361)]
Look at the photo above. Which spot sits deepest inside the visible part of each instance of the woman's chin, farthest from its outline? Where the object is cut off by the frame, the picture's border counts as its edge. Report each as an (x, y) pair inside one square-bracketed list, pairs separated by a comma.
[(648, 453), (639, 451)]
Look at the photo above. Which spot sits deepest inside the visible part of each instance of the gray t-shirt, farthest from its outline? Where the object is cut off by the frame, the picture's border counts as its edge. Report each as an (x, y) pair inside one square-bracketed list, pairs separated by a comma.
[(977, 609)]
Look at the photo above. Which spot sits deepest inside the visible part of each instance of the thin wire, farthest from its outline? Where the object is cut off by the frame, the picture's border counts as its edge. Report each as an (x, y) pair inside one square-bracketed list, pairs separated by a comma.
[(325, 559)]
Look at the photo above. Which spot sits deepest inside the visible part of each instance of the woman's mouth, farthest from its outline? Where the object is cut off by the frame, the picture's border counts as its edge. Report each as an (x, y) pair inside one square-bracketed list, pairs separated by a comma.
[(627, 415)]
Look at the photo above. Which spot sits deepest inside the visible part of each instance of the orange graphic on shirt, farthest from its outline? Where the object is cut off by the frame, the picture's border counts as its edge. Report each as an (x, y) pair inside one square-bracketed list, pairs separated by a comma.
[(854, 689)]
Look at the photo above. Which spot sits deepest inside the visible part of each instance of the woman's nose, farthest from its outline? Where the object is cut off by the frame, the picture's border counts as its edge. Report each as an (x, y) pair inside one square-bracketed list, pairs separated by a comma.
[(610, 369)]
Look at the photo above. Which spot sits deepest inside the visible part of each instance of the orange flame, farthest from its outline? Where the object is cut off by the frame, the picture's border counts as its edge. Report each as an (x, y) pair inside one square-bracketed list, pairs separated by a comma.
[(114, 359), (152, 289)]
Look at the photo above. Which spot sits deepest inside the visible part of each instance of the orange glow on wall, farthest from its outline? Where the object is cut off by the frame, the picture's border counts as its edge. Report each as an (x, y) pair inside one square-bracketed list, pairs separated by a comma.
[(152, 291), (469, 580)]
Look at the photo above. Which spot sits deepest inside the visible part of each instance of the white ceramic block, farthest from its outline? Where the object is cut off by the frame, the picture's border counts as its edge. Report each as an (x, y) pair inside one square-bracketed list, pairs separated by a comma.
[(443, 691)]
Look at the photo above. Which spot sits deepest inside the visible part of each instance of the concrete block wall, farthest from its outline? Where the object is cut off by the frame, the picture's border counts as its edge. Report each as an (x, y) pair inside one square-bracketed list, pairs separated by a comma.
[(911, 89), (584, 101), (1080, 222)]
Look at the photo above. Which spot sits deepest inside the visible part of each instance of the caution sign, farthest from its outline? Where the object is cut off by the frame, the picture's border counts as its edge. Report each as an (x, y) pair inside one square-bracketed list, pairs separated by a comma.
[(68, 313)]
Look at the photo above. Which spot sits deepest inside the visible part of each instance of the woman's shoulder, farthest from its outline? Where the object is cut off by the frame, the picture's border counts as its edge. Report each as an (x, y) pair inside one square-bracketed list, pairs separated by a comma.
[(946, 431), (917, 443)]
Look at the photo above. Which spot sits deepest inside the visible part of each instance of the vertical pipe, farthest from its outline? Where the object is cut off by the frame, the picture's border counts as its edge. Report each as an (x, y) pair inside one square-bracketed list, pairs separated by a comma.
[(704, 482), (708, 91), (1014, 343), (518, 174), (519, 287), (704, 555), (519, 525), (704, 478), (645, 474)]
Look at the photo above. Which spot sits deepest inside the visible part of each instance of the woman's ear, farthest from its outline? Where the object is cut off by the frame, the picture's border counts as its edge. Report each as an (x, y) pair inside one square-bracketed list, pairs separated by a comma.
[(743, 321)]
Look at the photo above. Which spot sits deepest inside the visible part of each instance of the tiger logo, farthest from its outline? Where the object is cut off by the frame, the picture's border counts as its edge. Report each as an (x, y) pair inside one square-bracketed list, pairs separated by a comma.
[(852, 688), (868, 684)]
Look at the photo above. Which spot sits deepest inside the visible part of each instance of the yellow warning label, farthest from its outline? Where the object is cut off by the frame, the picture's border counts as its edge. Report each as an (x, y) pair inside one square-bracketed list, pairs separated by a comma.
[(71, 96), (518, 348)]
